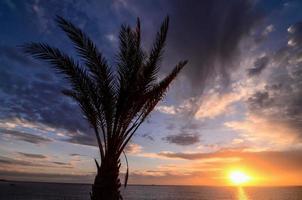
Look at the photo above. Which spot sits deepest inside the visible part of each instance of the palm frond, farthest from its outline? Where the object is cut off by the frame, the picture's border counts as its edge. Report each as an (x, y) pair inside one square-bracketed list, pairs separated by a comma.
[(127, 172), (152, 65), (94, 60), (83, 87), (130, 61), (152, 98), (98, 67), (62, 63)]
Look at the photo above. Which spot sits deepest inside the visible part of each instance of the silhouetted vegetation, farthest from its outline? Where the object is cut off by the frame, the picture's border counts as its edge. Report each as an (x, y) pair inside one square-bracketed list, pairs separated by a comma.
[(114, 104)]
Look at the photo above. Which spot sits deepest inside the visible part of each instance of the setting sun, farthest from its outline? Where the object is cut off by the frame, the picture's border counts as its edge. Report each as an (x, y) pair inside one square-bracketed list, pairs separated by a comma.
[(239, 177)]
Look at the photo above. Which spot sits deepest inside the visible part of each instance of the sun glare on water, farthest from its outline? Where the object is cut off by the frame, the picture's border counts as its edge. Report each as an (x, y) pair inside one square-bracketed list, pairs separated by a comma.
[(239, 177)]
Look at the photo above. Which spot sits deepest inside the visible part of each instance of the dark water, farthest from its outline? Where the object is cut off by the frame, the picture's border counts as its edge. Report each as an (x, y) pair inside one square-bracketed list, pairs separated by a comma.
[(51, 191)]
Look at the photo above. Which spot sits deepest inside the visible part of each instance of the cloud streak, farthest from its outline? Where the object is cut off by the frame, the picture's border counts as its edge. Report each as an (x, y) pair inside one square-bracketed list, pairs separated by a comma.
[(26, 137), (31, 155), (183, 139)]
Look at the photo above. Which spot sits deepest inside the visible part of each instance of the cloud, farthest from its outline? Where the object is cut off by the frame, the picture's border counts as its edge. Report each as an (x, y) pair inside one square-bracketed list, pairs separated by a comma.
[(26, 137), (83, 139), (270, 28), (279, 102), (292, 157), (34, 100), (212, 37), (42, 176), (295, 34), (184, 108), (200, 156), (8, 161), (214, 104), (23, 163), (32, 96), (171, 110), (259, 66), (265, 133), (183, 139), (30, 155), (147, 136), (133, 148), (264, 34), (274, 108), (75, 154), (61, 163), (186, 156)]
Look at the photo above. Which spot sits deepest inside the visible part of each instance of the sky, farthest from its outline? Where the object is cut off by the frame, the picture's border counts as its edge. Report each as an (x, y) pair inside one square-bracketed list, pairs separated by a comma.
[(237, 105)]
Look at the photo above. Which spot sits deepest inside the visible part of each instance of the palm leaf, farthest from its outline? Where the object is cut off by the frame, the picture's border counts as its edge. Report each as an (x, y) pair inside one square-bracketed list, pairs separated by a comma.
[(83, 87), (152, 97), (97, 65)]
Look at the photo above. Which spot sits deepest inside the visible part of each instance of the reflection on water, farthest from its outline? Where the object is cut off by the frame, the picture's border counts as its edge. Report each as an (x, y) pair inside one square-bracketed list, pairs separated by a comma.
[(241, 195), (53, 191)]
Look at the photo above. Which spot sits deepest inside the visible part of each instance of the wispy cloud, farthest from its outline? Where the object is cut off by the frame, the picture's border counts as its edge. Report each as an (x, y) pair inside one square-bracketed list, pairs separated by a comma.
[(22, 136), (183, 139), (31, 155), (133, 148)]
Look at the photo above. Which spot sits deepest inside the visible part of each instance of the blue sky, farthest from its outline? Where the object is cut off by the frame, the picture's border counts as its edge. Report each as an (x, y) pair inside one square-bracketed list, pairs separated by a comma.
[(240, 93)]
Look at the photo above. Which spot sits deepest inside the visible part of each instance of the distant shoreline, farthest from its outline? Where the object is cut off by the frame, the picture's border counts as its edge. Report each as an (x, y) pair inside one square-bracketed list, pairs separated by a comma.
[(16, 181)]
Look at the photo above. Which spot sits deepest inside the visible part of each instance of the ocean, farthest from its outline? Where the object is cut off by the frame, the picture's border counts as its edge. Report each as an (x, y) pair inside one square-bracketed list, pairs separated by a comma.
[(55, 191)]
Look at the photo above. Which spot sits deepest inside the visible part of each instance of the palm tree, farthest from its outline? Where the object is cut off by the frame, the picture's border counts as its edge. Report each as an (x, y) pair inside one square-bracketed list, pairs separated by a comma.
[(114, 104)]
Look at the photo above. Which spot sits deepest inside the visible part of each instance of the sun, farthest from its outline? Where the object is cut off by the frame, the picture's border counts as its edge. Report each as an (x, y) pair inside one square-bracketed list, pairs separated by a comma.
[(239, 177)]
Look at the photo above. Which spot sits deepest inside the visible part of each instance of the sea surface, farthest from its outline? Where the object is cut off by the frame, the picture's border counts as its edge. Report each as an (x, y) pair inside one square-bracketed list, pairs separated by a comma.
[(54, 191)]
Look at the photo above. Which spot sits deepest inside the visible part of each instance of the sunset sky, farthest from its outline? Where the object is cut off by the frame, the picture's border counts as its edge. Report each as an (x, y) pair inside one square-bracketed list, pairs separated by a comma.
[(236, 106)]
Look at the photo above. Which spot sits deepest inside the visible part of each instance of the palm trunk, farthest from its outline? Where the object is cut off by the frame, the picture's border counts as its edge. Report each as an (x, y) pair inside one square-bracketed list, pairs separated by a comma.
[(107, 183)]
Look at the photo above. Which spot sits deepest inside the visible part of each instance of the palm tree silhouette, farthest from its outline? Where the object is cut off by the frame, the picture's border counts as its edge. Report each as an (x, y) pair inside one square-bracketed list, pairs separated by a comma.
[(115, 105)]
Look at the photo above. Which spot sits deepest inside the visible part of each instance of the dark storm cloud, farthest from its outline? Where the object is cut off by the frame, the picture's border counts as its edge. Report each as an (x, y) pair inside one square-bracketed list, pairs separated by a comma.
[(208, 34), (31, 155), (259, 66), (182, 139), (26, 137), (281, 99)]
